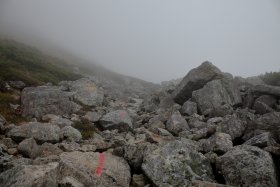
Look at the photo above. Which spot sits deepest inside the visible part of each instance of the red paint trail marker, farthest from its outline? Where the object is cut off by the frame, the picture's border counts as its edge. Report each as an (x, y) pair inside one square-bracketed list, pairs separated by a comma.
[(99, 168)]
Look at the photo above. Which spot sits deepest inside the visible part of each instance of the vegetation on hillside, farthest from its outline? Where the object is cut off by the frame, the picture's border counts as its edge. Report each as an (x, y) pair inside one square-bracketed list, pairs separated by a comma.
[(19, 62), (271, 78)]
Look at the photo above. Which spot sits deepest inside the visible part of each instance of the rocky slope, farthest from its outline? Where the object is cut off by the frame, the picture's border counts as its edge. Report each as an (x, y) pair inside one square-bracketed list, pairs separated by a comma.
[(209, 130)]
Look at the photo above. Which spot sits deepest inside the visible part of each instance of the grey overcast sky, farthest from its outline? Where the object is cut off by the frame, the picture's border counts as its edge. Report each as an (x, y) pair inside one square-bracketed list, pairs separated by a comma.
[(156, 40)]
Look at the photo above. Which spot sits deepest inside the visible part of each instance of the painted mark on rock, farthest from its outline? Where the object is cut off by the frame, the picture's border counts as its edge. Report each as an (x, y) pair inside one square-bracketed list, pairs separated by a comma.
[(99, 168)]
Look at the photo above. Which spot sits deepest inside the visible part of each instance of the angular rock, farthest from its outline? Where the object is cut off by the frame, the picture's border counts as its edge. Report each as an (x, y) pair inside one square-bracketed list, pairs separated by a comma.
[(154, 124), (177, 123), (134, 154), (39, 101), (83, 166), (41, 132), (216, 94), (30, 175), (118, 119), (71, 134), (176, 164), (233, 126), (189, 108), (264, 104), (195, 80), (247, 166), (269, 122), (263, 140), (87, 92), (219, 143), (29, 148)]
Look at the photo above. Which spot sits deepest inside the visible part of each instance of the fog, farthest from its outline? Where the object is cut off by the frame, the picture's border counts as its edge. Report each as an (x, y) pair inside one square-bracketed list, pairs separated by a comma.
[(154, 40)]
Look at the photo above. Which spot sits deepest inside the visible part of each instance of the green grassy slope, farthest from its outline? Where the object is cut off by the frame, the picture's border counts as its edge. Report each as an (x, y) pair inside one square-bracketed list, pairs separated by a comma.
[(19, 62)]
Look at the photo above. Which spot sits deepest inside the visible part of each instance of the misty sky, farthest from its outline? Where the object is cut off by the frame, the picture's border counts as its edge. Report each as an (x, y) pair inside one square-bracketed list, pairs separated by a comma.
[(155, 40)]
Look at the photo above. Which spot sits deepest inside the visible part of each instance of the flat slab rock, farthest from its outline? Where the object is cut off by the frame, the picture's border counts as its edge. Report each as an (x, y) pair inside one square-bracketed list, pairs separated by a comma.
[(41, 132), (42, 100), (176, 164)]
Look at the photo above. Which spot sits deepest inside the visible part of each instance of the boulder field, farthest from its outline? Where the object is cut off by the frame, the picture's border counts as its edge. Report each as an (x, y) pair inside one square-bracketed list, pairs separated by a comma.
[(209, 129)]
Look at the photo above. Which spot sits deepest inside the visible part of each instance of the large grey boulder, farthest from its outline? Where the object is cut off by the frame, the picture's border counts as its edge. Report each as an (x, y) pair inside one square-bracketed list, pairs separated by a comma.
[(30, 175), (247, 166), (83, 166), (176, 164), (195, 80), (118, 119), (86, 92), (177, 123), (216, 94), (41, 132), (42, 100)]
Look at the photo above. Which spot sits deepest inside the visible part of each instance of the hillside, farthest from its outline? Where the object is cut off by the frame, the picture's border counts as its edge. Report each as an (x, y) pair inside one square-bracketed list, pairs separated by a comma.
[(20, 62)]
